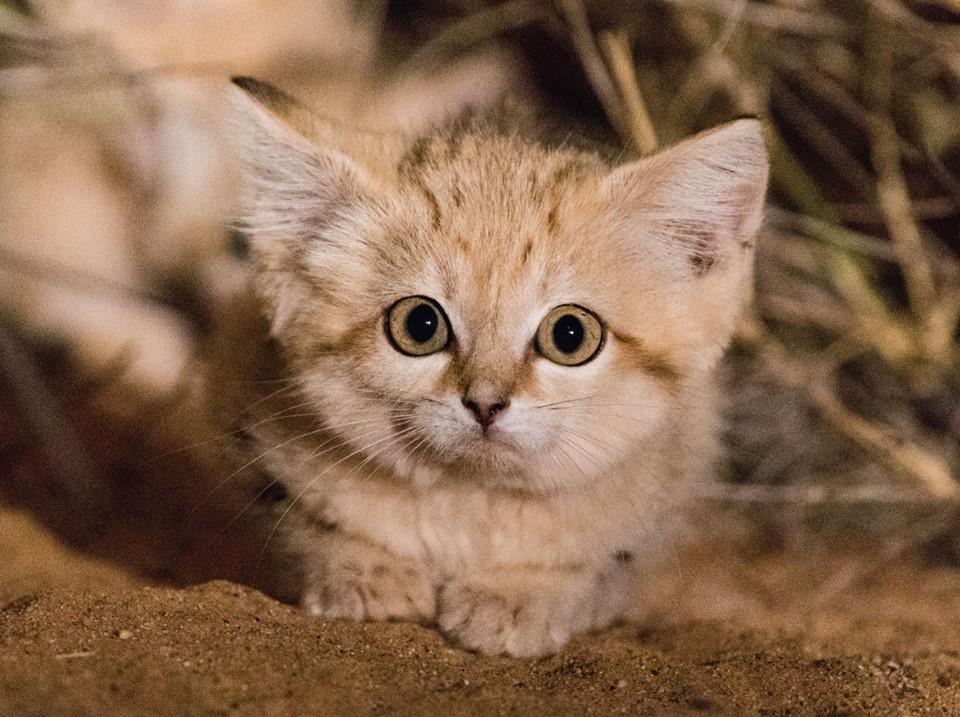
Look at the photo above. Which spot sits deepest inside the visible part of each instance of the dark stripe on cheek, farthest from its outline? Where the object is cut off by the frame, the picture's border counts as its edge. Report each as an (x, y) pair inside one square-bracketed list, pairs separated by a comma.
[(650, 361), (417, 156), (452, 378), (353, 339), (525, 381)]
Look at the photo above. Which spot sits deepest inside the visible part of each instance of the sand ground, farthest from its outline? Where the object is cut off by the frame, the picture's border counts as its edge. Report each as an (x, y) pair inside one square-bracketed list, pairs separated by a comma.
[(79, 636)]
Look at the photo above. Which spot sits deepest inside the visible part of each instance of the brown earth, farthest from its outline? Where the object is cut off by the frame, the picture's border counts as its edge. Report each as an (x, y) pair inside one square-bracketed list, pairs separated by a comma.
[(732, 636)]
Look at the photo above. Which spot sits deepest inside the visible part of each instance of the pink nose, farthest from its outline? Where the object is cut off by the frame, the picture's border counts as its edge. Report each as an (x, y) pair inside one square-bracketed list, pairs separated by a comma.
[(485, 413)]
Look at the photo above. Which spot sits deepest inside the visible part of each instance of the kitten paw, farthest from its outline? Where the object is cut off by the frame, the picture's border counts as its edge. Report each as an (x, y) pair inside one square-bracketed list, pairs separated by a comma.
[(361, 581), (528, 618)]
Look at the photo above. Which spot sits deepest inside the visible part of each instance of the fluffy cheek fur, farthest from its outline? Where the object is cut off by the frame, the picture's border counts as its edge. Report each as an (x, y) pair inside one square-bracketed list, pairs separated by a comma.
[(393, 412)]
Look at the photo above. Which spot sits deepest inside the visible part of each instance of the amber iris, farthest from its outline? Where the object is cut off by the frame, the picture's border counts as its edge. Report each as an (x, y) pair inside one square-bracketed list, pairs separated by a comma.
[(570, 335), (417, 326)]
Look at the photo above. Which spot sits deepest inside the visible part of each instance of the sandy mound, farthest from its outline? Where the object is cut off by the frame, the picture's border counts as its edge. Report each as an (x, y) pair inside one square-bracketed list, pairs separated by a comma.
[(78, 637)]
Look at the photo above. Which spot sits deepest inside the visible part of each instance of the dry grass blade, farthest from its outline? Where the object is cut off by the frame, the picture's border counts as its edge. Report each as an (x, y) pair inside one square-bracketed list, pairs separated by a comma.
[(715, 72), (821, 495), (926, 469), (893, 197), (774, 17), (616, 48), (818, 134), (596, 71), (74, 482), (474, 29)]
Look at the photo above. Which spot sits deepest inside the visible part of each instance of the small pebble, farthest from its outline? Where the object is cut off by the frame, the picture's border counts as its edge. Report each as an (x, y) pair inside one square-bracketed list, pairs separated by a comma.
[(124, 634)]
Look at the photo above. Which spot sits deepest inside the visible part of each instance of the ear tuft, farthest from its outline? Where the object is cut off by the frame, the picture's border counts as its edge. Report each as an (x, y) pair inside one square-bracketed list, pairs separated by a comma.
[(274, 102), (263, 92)]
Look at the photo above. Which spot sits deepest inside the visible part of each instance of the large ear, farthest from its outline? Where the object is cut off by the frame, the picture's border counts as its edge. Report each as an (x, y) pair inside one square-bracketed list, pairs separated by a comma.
[(697, 206), (297, 193)]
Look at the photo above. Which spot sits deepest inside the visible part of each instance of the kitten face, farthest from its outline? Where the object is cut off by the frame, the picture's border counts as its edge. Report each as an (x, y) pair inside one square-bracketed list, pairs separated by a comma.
[(488, 311), (489, 405)]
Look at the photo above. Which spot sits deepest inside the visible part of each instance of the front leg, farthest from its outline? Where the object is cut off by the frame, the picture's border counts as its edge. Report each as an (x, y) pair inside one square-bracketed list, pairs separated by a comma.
[(530, 611), (350, 577)]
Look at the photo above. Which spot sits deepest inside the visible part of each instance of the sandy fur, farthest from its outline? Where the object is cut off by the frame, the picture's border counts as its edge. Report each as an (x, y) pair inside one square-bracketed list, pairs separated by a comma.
[(402, 506)]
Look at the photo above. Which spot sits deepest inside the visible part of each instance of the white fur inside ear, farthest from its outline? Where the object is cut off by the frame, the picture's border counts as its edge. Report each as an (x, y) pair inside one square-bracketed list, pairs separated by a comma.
[(699, 196), (696, 207), (286, 170), (295, 195)]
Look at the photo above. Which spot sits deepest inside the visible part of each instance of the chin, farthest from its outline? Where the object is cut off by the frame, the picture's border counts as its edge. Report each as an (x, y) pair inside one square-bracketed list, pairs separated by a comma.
[(487, 461), (515, 470), (484, 463)]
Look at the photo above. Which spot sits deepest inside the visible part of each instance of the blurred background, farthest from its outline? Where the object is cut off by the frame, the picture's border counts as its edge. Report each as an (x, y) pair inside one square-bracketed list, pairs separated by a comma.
[(117, 253)]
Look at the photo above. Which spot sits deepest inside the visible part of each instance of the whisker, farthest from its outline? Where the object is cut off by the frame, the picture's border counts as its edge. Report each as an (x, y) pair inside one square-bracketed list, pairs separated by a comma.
[(258, 381), (222, 483), (569, 436), (605, 448), (642, 420), (273, 482), (570, 460), (291, 384), (393, 437), (314, 454), (422, 442), (588, 406), (306, 488), (569, 400), (404, 397), (223, 436), (344, 439)]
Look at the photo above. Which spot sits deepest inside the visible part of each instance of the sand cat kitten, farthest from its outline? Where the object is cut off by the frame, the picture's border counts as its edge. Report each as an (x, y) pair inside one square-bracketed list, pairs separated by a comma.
[(479, 381)]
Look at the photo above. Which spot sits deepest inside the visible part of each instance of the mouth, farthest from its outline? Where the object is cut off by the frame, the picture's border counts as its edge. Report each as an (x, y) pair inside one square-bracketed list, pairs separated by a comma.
[(489, 448), (460, 445)]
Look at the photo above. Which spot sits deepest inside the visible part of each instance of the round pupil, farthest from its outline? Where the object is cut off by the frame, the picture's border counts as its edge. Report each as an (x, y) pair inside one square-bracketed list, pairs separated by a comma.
[(568, 333), (422, 323)]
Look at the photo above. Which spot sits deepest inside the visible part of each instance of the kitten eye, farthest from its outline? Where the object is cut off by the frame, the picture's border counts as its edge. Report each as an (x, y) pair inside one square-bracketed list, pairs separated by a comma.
[(417, 326), (570, 335)]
